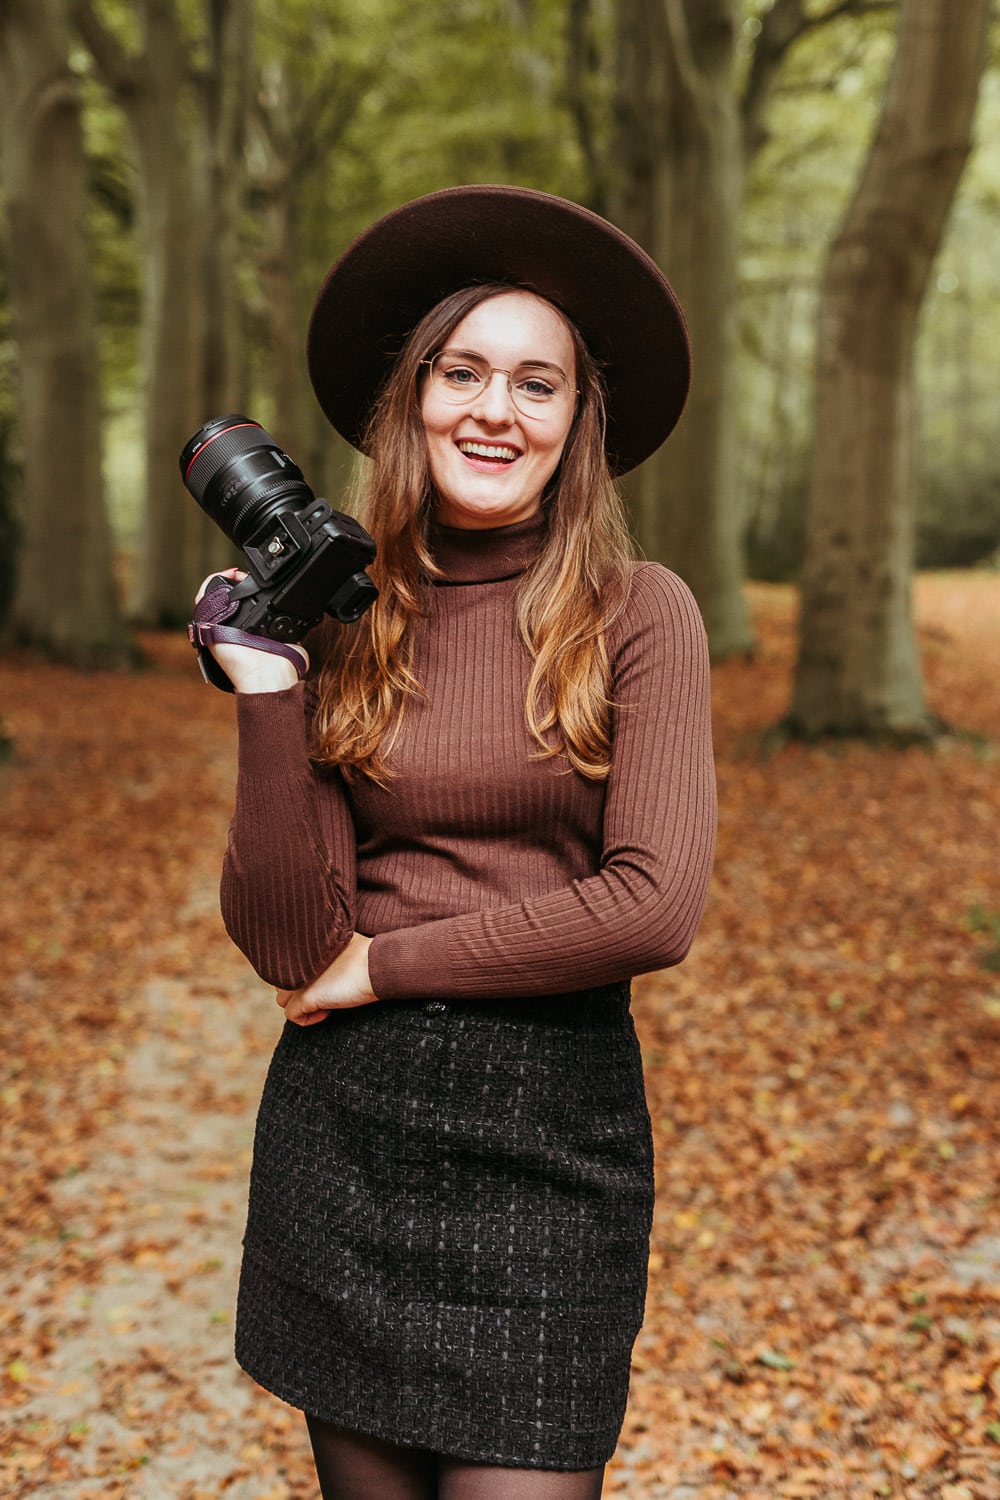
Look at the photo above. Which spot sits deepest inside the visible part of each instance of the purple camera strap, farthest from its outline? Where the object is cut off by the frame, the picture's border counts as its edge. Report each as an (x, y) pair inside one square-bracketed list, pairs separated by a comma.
[(208, 629)]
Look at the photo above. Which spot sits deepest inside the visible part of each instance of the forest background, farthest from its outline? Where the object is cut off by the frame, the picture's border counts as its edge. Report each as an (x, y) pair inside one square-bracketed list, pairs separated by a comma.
[(820, 180), (179, 174)]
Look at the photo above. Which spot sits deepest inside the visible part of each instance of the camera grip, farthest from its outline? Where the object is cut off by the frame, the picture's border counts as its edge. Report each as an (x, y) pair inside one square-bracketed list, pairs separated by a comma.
[(215, 606)]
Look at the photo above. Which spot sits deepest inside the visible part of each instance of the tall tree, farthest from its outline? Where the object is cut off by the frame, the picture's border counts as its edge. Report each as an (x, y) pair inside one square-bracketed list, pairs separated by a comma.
[(225, 97), (188, 146), (858, 670), (686, 127), (65, 603), (681, 153), (151, 85), (299, 120)]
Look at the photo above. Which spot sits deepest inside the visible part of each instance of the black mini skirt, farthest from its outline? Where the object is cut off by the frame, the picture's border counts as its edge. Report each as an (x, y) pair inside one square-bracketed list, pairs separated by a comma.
[(448, 1228)]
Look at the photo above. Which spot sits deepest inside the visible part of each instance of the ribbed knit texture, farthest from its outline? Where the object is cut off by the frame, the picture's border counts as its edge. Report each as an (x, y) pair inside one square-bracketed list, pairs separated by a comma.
[(482, 870), (452, 1189)]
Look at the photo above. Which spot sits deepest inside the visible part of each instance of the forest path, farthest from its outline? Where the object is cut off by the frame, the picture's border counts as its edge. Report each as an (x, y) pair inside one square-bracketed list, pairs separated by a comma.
[(823, 1076), (140, 1395)]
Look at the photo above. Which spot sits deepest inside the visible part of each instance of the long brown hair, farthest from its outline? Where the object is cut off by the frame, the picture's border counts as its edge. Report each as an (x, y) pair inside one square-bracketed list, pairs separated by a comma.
[(565, 602)]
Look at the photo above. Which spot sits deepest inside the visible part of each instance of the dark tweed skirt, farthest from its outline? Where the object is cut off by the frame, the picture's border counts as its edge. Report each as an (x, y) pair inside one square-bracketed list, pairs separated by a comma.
[(449, 1220)]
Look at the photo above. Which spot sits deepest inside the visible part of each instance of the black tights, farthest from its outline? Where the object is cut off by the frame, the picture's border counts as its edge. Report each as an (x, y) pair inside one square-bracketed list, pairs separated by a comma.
[(352, 1467)]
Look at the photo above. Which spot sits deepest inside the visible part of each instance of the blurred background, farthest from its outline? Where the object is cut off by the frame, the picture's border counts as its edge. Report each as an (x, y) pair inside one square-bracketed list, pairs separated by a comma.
[(820, 181), (179, 174)]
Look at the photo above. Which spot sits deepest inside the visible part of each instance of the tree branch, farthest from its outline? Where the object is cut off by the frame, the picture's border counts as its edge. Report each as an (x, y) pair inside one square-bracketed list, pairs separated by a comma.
[(691, 84), (119, 71), (781, 27)]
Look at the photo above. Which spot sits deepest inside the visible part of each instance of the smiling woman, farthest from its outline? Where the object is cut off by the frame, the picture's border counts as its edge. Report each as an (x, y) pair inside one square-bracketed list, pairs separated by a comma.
[(490, 805), (489, 457)]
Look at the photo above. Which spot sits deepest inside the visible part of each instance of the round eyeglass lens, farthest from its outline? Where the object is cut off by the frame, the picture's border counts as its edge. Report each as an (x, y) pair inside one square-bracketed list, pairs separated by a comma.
[(461, 377)]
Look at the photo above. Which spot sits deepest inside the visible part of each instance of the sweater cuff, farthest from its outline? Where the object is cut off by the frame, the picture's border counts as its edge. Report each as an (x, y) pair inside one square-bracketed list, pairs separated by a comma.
[(272, 730), (411, 963)]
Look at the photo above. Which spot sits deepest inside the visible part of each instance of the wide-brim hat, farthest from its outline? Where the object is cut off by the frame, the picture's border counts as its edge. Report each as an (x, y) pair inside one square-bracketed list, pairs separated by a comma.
[(406, 262)]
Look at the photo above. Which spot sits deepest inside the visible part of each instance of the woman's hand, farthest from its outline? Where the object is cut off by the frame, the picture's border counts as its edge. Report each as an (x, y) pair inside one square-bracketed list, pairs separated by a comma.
[(343, 985), (248, 670)]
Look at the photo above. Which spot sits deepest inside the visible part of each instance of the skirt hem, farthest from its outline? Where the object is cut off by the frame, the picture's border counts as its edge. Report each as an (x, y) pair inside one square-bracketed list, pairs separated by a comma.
[(465, 1452)]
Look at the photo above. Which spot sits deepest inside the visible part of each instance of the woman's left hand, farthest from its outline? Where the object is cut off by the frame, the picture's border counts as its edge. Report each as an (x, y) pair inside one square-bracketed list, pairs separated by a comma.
[(344, 984)]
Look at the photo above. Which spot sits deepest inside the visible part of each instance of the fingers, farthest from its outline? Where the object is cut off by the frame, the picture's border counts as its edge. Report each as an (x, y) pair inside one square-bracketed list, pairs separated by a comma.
[(293, 1003), (233, 573)]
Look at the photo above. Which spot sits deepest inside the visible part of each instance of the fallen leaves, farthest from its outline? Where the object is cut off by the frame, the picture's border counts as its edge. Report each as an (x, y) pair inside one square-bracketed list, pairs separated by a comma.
[(823, 1317)]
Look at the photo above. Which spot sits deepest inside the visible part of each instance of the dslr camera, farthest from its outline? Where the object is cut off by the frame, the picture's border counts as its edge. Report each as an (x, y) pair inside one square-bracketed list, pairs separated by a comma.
[(304, 560)]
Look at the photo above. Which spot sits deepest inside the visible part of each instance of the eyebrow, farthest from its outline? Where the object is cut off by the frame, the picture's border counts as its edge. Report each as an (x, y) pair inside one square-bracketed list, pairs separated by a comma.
[(523, 364)]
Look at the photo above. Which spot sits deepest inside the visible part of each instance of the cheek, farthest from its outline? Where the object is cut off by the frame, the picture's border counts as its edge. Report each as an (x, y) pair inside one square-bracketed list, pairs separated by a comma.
[(560, 442)]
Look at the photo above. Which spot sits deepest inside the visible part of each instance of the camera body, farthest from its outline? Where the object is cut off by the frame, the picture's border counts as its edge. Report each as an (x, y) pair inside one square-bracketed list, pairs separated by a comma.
[(304, 560)]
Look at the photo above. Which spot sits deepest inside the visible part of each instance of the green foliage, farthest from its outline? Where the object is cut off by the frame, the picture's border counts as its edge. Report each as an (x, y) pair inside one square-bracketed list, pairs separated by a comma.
[(820, 122), (366, 103), (467, 91), (958, 516)]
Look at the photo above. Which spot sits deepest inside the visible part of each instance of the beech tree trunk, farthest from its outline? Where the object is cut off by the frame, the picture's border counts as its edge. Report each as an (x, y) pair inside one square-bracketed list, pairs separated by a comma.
[(677, 189), (65, 603), (190, 184), (858, 671), (225, 98), (152, 88), (297, 131)]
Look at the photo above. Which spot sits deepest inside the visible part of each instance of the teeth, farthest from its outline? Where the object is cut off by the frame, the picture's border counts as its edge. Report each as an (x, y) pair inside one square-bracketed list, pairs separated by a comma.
[(487, 450)]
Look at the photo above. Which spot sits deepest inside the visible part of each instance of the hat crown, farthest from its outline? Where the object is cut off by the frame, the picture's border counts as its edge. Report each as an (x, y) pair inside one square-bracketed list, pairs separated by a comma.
[(408, 261)]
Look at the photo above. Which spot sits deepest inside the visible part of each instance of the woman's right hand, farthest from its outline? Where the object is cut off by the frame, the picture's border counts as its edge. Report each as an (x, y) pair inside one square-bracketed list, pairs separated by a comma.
[(249, 670)]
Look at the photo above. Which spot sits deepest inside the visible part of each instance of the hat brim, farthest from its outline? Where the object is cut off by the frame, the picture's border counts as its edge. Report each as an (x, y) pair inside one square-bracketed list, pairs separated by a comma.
[(406, 262)]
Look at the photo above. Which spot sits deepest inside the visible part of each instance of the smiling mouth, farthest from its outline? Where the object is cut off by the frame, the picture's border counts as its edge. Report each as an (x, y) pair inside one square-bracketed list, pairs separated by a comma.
[(493, 452)]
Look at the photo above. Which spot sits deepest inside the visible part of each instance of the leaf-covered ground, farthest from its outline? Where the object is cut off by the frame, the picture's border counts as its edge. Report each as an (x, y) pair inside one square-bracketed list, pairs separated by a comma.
[(824, 1308)]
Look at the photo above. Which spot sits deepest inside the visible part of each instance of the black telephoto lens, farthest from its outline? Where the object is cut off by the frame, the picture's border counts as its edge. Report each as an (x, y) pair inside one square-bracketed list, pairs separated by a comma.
[(240, 476)]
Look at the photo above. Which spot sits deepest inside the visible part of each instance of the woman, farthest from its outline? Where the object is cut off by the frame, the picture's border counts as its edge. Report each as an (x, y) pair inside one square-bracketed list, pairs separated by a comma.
[(508, 811)]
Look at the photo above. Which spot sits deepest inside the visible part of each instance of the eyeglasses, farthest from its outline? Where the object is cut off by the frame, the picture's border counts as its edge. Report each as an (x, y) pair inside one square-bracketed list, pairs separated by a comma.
[(460, 377)]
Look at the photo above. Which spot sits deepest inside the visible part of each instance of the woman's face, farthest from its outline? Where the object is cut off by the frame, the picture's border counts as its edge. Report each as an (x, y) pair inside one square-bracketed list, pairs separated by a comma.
[(489, 461)]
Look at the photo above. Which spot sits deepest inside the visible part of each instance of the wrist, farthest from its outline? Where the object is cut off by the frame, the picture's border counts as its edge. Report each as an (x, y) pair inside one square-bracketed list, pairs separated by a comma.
[(367, 969), (272, 675)]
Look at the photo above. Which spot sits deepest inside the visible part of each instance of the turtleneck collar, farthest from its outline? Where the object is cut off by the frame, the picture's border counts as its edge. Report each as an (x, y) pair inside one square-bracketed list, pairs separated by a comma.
[(486, 556)]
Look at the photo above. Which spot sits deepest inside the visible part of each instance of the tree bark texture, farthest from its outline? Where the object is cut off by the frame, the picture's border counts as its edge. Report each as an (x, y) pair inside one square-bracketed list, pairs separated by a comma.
[(225, 99), (297, 132), (678, 182), (183, 199), (858, 671), (65, 603)]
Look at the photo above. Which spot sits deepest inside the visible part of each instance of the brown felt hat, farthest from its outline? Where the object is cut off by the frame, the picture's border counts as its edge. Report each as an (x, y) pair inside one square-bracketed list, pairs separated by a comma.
[(406, 262)]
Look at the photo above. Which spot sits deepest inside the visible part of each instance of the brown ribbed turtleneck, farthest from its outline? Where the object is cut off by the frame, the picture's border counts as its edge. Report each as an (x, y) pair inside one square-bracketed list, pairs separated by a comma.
[(482, 870)]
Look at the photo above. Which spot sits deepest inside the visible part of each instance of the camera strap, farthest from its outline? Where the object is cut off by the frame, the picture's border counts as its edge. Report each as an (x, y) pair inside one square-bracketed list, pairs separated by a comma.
[(208, 629)]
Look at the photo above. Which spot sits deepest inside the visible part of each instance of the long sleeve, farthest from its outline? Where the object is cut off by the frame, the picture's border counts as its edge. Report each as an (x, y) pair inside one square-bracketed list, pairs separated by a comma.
[(288, 881), (640, 910)]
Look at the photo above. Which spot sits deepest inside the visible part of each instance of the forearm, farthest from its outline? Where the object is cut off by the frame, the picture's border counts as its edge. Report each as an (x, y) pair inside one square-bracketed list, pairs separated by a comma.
[(288, 883), (623, 922)]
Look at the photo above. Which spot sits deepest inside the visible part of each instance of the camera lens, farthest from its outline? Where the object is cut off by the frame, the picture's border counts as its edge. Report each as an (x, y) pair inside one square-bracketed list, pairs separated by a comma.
[(240, 476)]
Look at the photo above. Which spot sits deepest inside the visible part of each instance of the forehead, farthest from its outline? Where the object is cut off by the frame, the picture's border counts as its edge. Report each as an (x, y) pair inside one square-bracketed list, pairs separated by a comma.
[(514, 328)]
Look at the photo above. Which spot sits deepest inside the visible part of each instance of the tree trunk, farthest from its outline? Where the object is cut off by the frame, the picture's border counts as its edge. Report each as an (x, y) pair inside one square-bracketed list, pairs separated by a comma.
[(168, 567), (679, 173), (297, 131), (224, 110), (191, 347), (65, 604), (858, 671), (325, 459), (275, 185)]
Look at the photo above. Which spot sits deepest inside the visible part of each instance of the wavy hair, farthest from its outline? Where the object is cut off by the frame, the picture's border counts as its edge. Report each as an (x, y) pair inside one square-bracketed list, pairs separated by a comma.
[(565, 601)]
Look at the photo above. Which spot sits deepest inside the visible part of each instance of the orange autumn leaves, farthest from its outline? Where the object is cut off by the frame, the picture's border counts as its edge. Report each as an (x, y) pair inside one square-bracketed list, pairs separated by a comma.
[(823, 1313)]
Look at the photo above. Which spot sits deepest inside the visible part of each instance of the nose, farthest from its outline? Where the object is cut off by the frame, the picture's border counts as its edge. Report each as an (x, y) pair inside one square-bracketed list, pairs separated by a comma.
[(494, 403)]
